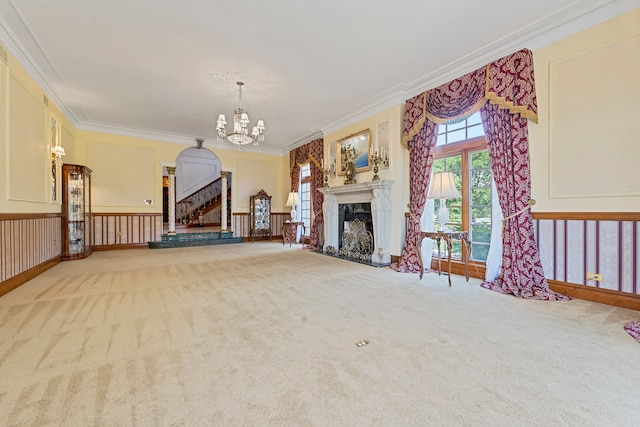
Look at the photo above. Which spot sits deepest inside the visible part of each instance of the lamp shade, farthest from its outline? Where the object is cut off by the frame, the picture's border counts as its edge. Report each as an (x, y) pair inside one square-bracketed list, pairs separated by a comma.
[(58, 151), (293, 199), (443, 186)]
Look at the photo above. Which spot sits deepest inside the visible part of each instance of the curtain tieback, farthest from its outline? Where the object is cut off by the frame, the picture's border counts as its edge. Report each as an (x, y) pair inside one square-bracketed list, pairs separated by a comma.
[(529, 204)]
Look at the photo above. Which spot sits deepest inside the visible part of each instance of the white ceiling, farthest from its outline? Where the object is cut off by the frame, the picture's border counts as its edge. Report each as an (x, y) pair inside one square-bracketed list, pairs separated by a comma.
[(165, 69)]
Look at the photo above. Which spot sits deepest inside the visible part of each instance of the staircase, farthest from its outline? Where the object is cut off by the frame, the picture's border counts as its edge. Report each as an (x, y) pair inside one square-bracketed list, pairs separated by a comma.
[(188, 210), (195, 239), (202, 201)]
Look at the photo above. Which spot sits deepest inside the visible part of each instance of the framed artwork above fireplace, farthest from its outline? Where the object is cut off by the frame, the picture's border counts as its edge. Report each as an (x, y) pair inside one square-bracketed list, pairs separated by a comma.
[(356, 148)]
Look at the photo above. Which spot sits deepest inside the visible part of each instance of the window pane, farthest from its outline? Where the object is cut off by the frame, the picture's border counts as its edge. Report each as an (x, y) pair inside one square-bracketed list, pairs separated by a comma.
[(442, 139), (480, 160), (456, 249), (455, 126), (455, 215), (438, 165), (481, 214), (454, 164), (474, 119), (305, 204), (481, 233), (458, 135), (479, 251), (480, 206), (481, 196), (481, 178), (475, 131)]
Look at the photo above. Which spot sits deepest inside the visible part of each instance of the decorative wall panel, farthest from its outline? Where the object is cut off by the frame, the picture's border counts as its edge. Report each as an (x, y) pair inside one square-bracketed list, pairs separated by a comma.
[(125, 229), (575, 245), (594, 109), (26, 241), (27, 146)]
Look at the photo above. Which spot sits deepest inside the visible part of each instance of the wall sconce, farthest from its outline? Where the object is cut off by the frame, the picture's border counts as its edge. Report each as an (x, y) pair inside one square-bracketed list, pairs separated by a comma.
[(56, 153)]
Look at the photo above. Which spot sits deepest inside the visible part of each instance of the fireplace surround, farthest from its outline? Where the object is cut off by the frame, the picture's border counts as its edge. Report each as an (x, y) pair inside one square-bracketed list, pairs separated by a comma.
[(377, 193)]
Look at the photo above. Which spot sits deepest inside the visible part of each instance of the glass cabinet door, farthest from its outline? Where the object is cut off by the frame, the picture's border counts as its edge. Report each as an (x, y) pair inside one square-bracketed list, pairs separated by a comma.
[(87, 212), (75, 214), (76, 210), (260, 215)]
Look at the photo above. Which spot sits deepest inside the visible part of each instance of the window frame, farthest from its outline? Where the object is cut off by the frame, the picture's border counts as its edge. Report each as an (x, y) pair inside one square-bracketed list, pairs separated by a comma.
[(463, 149), (308, 179)]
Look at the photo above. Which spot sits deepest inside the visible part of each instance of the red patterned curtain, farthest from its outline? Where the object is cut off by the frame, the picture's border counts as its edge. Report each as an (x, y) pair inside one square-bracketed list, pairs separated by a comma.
[(504, 92), (421, 154), (312, 153)]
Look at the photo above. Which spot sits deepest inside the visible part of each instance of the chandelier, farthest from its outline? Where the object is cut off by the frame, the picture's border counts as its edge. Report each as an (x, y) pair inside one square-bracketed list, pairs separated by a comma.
[(240, 135)]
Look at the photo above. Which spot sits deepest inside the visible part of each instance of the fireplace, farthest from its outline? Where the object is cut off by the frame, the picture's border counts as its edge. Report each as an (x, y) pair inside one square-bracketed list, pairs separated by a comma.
[(348, 212), (373, 194)]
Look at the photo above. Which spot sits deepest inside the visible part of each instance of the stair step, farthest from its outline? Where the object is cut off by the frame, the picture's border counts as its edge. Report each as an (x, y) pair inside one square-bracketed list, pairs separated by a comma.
[(182, 240)]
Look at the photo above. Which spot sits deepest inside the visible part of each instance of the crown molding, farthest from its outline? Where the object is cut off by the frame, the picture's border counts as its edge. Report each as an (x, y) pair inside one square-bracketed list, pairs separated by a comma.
[(388, 99), (543, 32), (304, 140), (211, 143), (20, 52), (554, 27)]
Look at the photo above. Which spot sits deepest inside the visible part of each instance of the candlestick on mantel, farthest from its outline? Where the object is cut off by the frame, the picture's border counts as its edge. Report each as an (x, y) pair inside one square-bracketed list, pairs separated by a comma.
[(375, 159)]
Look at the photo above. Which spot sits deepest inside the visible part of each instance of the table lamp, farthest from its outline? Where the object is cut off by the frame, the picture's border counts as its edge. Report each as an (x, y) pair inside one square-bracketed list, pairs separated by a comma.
[(293, 201), (443, 187)]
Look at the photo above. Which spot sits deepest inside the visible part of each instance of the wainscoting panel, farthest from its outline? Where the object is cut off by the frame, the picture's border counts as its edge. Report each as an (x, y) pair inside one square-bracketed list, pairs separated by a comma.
[(119, 230), (240, 223), (574, 244), (27, 241)]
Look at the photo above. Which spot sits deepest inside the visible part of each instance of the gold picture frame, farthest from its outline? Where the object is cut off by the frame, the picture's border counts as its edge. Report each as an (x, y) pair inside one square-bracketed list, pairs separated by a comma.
[(356, 147)]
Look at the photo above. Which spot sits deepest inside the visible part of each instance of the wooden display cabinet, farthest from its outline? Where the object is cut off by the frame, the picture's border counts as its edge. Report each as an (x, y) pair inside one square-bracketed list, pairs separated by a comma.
[(76, 211), (260, 215)]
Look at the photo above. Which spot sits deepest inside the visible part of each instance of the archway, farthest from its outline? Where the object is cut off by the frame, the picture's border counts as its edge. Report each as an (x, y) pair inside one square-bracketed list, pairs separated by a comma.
[(198, 173)]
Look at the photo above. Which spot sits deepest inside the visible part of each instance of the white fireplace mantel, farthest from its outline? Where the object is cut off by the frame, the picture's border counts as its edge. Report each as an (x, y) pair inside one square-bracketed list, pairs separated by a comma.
[(378, 193)]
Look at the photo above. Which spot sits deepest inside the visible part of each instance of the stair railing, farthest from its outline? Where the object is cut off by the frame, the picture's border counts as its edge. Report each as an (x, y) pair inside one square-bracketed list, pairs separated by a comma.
[(201, 200)]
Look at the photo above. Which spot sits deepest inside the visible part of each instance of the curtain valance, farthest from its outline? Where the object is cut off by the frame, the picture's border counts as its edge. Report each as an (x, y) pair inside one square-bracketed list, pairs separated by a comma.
[(508, 83), (312, 152)]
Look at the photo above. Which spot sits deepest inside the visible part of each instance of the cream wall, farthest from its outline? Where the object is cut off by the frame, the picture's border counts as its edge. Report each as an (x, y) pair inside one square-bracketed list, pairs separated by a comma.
[(127, 170), (26, 140), (398, 169), (584, 150)]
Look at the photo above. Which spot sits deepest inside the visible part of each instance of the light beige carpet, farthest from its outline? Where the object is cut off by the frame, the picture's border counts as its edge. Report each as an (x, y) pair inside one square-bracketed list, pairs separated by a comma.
[(260, 334)]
